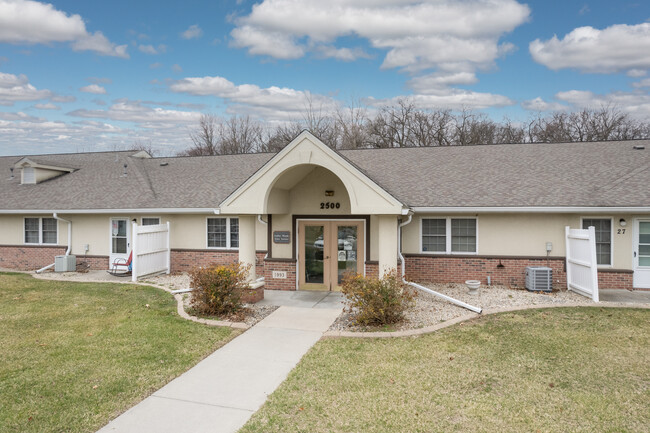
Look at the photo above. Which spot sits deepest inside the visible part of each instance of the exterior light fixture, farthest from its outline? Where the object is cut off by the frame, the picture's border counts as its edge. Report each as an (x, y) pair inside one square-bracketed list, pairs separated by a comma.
[(622, 222), (329, 193)]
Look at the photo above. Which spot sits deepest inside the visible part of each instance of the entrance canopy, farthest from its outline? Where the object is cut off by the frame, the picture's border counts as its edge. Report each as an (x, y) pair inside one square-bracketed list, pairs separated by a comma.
[(262, 193)]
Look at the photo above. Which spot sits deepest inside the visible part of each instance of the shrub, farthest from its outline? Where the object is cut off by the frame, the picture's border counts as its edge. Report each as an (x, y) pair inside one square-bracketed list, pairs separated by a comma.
[(375, 301), (217, 289)]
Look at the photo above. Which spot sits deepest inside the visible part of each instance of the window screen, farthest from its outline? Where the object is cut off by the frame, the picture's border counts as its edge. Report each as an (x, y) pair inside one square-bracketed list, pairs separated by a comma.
[(234, 232), (603, 238), (463, 235), (150, 221), (31, 231), (434, 235), (217, 233), (49, 231)]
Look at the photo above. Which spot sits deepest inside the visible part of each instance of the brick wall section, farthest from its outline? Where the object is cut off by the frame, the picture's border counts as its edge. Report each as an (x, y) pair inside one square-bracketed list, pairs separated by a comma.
[(185, 260), (95, 262), (458, 269), (372, 269), (28, 257), (615, 279), (286, 265)]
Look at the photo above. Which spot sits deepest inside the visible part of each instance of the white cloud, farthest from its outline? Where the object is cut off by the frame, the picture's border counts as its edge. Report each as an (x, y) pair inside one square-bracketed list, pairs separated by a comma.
[(150, 49), (616, 48), (635, 73), (135, 111), (417, 34), (432, 82), (271, 103), (539, 104), (177, 68), (32, 22), (98, 43), (94, 88), (454, 99), (48, 106), (155, 65), (344, 54), (193, 31), (17, 88), (643, 83), (636, 103), (63, 98)]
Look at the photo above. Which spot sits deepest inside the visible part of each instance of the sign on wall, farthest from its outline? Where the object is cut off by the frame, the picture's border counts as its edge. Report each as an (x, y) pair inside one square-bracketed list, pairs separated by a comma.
[(281, 237), (279, 274)]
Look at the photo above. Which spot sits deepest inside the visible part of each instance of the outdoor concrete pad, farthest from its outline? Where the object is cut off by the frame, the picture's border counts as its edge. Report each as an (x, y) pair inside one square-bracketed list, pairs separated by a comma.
[(221, 392), (617, 295), (305, 319), (305, 299), (162, 415)]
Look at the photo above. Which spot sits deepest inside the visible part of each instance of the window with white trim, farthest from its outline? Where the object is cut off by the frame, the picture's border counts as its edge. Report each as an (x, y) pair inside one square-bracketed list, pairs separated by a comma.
[(223, 232), (40, 231), (449, 235), (150, 221), (603, 228)]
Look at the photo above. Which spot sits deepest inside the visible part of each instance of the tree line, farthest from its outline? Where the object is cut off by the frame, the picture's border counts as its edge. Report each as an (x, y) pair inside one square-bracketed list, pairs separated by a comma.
[(405, 125)]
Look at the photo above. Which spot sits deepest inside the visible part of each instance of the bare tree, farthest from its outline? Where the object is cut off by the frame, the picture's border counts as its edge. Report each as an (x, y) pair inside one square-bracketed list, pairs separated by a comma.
[(351, 126), (204, 138)]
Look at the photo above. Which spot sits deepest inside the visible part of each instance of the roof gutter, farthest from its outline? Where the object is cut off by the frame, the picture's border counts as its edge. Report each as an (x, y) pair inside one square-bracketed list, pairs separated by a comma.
[(152, 211), (531, 209)]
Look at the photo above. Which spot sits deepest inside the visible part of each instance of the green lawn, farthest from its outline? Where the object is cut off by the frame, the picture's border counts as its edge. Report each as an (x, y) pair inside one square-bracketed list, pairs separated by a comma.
[(568, 369), (74, 355)]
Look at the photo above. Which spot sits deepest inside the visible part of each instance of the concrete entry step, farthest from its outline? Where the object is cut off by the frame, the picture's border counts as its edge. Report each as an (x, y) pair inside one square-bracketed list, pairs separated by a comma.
[(221, 392)]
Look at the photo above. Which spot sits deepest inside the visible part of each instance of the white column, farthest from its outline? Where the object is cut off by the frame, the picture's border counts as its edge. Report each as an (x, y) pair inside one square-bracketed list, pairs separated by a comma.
[(387, 243), (247, 243)]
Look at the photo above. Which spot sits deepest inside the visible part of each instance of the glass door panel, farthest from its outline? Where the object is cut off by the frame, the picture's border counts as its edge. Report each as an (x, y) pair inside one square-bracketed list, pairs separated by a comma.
[(314, 268), (118, 233), (644, 243), (347, 241)]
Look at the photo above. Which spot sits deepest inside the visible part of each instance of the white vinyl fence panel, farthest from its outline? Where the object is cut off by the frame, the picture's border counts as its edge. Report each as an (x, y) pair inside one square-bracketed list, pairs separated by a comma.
[(581, 265), (151, 253)]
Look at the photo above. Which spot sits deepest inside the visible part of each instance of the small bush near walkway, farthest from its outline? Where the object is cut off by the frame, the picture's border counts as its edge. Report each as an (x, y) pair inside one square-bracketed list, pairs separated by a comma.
[(218, 289), (375, 301)]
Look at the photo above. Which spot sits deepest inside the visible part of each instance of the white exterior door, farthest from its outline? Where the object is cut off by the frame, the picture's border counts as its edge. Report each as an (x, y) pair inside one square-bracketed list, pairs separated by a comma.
[(642, 254), (120, 236)]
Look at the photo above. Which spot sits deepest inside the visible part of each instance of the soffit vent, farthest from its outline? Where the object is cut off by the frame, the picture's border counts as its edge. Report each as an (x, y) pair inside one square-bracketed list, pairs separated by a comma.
[(29, 177)]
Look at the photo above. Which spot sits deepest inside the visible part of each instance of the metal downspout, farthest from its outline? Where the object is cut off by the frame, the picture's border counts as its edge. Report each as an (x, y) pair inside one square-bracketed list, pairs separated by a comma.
[(67, 251), (418, 286)]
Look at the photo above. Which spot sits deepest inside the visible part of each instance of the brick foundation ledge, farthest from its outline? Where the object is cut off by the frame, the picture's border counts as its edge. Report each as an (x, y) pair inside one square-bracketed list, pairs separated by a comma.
[(285, 267)]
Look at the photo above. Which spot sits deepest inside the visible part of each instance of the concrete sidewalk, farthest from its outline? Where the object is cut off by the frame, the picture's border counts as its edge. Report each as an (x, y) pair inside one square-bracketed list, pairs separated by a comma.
[(221, 392)]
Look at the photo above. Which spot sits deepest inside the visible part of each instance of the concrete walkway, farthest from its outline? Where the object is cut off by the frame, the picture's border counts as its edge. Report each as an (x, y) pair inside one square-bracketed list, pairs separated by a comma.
[(627, 296), (221, 392)]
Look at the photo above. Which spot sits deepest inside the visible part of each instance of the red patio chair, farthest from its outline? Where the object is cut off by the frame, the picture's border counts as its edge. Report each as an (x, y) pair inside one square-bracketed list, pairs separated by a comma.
[(121, 263)]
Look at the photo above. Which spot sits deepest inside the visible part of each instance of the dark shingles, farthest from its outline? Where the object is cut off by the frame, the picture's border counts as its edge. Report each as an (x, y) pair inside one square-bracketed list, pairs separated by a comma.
[(601, 174)]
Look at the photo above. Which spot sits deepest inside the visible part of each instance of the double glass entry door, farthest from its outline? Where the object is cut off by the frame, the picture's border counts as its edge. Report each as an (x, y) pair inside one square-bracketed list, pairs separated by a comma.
[(327, 251)]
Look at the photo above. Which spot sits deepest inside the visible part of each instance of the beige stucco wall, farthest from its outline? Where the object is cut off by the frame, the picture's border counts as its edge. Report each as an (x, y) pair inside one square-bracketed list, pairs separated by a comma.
[(187, 231), (526, 234)]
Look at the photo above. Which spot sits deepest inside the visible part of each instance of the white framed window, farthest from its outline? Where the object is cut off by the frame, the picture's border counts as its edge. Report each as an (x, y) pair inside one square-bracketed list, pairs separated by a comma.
[(40, 231), (604, 250), (223, 233), (150, 221), (449, 235)]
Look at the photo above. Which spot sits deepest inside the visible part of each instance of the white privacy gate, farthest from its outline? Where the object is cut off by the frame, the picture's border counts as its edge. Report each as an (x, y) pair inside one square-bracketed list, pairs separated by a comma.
[(150, 246), (581, 265)]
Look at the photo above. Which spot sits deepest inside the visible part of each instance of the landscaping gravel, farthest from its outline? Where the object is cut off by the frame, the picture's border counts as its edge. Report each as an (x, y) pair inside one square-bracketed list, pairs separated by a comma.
[(430, 310)]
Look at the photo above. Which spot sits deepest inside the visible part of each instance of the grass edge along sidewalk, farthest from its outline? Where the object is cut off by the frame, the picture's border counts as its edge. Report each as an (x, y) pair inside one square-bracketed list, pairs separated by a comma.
[(562, 369), (75, 355)]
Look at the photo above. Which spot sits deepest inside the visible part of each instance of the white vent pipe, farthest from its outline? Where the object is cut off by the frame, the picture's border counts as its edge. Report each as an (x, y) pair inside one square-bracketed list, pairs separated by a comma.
[(418, 286)]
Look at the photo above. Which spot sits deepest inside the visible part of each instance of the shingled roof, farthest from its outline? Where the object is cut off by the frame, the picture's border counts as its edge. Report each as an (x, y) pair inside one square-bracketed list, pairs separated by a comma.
[(602, 174)]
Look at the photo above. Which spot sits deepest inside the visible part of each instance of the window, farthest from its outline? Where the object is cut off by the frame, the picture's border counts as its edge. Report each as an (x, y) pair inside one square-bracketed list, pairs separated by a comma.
[(434, 235), (223, 233), (603, 228), (449, 235), (40, 231), (150, 221)]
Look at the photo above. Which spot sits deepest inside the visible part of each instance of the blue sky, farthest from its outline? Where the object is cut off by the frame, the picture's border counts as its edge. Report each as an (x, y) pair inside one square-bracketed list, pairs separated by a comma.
[(92, 76)]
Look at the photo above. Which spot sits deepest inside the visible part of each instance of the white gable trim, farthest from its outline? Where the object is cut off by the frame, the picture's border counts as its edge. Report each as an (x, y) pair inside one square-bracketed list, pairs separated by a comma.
[(246, 201)]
